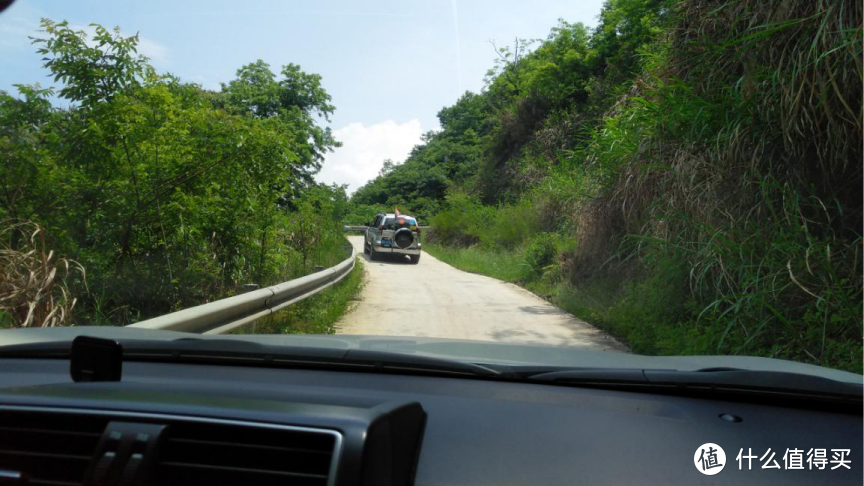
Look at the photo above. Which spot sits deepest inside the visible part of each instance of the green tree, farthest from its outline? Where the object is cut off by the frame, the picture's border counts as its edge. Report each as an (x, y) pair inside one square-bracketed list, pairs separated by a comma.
[(292, 102), (168, 194)]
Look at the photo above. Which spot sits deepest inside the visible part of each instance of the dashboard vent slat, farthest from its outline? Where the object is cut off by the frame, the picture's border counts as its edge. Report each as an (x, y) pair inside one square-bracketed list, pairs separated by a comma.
[(46, 482), (229, 469), (288, 450)]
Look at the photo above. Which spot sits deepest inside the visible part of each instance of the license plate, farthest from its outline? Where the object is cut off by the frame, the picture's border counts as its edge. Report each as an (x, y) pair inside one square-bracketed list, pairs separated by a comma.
[(386, 243)]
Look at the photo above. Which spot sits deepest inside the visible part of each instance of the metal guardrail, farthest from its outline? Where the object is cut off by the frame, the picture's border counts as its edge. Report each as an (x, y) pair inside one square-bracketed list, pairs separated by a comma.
[(223, 315)]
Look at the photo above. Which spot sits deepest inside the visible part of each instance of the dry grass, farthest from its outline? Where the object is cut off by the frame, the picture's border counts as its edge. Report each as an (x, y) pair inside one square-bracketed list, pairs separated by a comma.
[(33, 288)]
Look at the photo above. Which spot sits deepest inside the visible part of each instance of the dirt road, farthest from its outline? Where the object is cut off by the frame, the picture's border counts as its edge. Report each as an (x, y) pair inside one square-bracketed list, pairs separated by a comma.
[(433, 299)]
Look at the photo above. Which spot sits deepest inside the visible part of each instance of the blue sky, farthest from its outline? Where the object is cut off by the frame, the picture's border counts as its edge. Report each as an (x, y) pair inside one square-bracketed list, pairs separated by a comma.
[(389, 65)]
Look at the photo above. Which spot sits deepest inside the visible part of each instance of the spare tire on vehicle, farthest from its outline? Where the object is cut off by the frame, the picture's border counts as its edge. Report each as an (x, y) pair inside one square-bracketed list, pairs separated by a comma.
[(403, 238)]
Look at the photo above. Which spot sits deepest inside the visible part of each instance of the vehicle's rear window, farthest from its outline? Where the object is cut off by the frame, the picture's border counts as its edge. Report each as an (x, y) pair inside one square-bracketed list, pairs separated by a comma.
[(399, 223)]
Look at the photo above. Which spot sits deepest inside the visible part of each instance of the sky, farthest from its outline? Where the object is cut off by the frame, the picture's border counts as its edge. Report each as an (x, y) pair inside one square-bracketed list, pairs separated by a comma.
[(389, 65)]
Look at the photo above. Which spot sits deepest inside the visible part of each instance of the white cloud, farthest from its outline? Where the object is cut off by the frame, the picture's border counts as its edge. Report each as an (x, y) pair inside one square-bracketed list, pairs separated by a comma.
[(364, 149)]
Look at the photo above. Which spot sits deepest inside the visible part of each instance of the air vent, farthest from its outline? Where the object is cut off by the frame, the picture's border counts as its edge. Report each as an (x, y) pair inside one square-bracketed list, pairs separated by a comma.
[(49, 449), (217, 453)]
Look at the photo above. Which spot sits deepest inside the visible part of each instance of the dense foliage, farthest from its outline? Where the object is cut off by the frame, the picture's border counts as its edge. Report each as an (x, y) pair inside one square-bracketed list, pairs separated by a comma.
[(686, 175), (166, 193)]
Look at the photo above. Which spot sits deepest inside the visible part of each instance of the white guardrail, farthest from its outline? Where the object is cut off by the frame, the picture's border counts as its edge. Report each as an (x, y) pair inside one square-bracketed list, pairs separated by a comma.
[(223, 315)]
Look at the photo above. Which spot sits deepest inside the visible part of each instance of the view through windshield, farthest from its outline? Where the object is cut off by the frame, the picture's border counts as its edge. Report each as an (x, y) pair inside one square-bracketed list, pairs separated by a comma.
[(655, 177)]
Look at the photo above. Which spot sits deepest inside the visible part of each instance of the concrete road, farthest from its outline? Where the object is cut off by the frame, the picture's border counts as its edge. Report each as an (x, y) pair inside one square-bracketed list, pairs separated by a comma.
[(433, 299)]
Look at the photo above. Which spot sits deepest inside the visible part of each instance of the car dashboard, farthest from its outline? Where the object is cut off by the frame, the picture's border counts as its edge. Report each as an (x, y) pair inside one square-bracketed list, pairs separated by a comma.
[(188, 423)]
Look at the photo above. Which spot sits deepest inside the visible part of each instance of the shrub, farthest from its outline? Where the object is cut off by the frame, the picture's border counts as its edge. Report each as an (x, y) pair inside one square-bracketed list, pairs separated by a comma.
[(462, 222), (539, 253)]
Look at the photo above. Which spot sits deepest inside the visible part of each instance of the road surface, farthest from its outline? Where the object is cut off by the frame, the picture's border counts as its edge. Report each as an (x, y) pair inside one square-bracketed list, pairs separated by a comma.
[(433, 299)]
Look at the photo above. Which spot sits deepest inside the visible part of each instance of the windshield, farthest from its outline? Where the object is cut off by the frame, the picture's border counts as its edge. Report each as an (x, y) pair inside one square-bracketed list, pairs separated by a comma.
[(631, 177)]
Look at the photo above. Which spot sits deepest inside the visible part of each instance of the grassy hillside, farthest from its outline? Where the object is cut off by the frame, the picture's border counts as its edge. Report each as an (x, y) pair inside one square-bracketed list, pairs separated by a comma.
[(687, 175)]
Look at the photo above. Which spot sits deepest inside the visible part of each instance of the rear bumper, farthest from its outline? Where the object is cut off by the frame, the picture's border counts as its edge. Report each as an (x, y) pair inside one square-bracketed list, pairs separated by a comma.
[(397, 251)]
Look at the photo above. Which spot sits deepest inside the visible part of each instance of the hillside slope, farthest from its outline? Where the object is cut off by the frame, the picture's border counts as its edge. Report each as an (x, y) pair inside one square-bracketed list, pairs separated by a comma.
[(687, 175)]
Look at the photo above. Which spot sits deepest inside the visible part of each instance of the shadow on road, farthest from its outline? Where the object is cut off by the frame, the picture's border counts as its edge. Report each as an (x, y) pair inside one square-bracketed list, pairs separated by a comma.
[(537, 309), (590, 339), (388, 259)]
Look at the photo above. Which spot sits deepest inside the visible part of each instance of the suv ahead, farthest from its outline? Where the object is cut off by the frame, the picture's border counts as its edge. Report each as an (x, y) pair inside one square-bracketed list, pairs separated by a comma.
[(392, 233)]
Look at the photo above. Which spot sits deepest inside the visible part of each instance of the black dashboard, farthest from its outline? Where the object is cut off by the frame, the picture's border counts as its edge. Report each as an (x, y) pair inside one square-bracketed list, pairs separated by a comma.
[(248, 425)]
